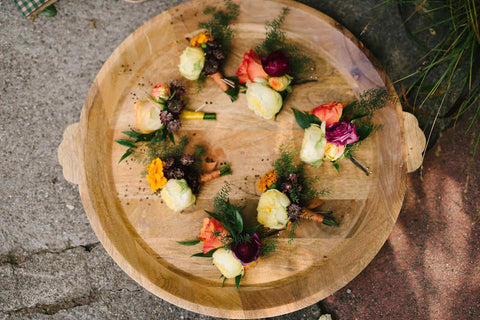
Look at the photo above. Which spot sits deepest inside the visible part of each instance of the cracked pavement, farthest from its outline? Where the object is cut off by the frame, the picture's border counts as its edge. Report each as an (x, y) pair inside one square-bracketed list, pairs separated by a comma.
[(51, 264)]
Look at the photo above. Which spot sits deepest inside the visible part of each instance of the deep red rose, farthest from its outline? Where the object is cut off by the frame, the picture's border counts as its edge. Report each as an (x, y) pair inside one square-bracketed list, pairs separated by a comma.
[(276, 64), (248, 252)]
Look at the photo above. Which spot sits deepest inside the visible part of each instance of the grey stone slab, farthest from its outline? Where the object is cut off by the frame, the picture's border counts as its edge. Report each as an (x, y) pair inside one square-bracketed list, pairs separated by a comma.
[(47, 279)]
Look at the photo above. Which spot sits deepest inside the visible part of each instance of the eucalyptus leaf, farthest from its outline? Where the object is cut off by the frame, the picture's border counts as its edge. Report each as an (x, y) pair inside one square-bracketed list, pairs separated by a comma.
[(188, 243)]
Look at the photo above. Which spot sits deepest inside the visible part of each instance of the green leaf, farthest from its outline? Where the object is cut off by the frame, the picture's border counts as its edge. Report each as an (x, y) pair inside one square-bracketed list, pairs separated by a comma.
[(223, 283), (252, 230), (170, 136), (301, 118), (126, 154), (363, 131), (336, 166), (209, 254), (358, 116), (233, 92), (237, 281), (238, 221), (188, 243), (132, 134), (214, 215), (347, 110), (126, 143)]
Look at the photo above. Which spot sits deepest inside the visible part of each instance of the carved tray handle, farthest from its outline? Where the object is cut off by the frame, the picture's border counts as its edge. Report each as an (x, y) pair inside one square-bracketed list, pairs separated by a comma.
[(68, 153), (415, 142)]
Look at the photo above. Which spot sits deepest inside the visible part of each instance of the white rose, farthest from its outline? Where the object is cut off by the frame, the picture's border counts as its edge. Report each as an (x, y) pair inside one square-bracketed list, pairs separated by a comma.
[(272, 209), (228, 265), (313, 145), (177, 195), (191, 64), (147, 116), (262, 99)]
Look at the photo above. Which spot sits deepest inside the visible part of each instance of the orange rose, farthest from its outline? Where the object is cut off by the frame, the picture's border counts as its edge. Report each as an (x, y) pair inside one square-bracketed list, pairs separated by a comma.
[(212, 234), (330, 112), (250, 68)]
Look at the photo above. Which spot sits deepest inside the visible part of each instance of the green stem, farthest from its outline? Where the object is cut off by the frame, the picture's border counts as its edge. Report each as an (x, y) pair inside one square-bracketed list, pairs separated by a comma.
[(225, 170), (210, 116)]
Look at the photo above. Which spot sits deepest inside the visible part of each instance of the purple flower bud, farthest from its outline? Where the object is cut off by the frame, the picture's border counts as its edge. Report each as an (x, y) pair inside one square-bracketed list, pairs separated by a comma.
[(169, 162), (174, 125), (276, 64), (248, 251), (294, 211), (300, 188), (293, 177), (178, 173), (187, 159), (287, 186), (165, 117)]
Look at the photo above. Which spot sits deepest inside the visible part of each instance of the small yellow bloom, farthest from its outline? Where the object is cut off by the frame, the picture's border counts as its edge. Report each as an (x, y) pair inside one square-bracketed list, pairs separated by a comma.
[(200, 38), (155, 177), (267, 180)]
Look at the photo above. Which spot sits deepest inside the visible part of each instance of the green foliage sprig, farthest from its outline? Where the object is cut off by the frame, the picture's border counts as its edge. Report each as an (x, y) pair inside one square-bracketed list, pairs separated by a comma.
[(276, 39), (219, 26)]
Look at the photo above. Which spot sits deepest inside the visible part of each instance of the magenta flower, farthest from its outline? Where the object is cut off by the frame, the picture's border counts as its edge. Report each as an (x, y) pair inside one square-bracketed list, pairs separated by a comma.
[(248, 251), (341, 133), (276, 64)]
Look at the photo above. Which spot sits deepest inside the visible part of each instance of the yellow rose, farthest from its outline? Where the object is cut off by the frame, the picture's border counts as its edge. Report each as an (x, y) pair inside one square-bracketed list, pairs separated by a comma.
[(280, 83), (333, 152), (228, 265), (177, 195), (313, 145), (147, 116), (272, 209), (155, 177), (191, 64), (263, 100)]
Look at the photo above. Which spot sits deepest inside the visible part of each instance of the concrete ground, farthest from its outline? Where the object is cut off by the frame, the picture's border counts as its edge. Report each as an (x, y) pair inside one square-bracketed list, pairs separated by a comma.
[(51, 264)]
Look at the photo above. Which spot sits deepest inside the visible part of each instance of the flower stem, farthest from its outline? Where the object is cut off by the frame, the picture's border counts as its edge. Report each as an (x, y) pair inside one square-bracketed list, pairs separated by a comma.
[(365, 169), (225, 170)]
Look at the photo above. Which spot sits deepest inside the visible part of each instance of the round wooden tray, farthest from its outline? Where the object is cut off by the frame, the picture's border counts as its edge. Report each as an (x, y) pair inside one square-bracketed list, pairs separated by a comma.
[(139, 232)]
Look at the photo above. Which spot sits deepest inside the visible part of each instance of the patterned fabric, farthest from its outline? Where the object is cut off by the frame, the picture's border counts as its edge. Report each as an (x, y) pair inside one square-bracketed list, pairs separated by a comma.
[(29, 7)]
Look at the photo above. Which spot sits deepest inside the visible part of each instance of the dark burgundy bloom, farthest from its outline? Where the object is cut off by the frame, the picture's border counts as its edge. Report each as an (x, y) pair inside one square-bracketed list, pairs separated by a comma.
[(187, 159), (294, 211), (341, 133), (276, 64), (174, 125), (248, 251), (178, 173)]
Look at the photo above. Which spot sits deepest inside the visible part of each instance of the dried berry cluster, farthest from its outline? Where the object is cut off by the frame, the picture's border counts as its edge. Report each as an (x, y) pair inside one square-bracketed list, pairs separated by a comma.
[(182, 168), (174, 106), (214, 55)]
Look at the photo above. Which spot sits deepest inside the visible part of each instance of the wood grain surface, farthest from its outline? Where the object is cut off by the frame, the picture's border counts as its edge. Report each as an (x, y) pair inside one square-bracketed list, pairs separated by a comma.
[(139, 231)]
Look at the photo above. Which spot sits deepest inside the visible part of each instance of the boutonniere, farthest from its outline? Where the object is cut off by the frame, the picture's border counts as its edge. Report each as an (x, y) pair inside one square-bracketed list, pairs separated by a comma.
[(271, 69), (177, 176), (158, 117), (233, 246), (207, 50), (335, 130), (288, 195)]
